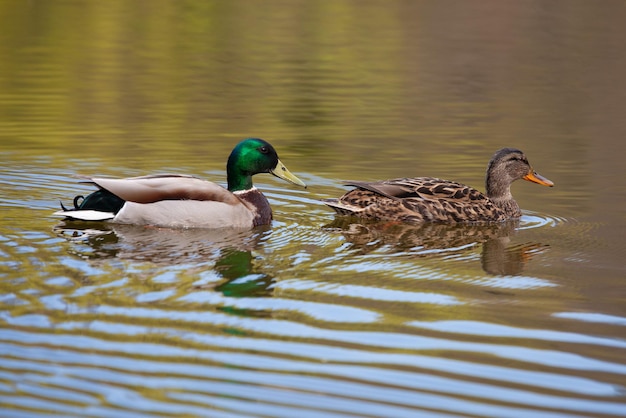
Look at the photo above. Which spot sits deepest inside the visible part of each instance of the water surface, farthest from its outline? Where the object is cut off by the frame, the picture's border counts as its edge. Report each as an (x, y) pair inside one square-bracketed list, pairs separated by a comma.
[(314, 315)]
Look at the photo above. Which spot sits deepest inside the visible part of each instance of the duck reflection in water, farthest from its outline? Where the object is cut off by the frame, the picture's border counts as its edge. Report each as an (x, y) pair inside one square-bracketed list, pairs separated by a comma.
[(498, 256), (231, 251), (237, 267)]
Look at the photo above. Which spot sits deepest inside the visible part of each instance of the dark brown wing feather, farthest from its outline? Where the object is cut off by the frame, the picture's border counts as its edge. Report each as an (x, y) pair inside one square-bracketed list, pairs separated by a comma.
[(421, 187)]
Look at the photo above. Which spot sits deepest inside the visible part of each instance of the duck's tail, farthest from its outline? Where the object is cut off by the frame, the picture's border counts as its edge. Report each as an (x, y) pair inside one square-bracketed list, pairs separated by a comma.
[(100, 205), (85, 215), (341, 208)]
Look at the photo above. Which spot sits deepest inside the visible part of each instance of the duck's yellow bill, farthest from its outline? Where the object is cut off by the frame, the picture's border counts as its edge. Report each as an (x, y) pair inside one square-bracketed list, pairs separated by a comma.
[(281, 171), (538, 178)]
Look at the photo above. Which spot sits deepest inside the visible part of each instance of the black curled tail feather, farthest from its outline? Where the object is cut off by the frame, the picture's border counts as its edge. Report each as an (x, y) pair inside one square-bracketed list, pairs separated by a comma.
[(76, 205), (101, 200), (74, 202)]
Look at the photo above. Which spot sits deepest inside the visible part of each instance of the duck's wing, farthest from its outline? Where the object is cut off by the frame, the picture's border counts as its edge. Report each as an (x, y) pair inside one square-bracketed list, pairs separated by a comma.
[(388, 188), (155, 188), (368, 195), (428, 188)]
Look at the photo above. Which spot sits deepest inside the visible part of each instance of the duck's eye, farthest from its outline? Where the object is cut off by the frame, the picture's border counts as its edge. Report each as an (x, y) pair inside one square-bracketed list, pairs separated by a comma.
[(264, 149)]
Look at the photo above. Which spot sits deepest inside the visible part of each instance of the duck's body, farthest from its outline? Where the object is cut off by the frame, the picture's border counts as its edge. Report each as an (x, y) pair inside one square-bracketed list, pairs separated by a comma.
[(174, 200), (429, 199)]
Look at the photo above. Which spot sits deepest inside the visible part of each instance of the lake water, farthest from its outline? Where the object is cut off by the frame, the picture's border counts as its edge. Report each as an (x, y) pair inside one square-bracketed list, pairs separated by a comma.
[(314, 316)]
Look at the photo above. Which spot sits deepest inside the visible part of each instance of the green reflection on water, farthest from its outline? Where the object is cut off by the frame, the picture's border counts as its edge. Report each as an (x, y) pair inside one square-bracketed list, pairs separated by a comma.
[(173, 80)]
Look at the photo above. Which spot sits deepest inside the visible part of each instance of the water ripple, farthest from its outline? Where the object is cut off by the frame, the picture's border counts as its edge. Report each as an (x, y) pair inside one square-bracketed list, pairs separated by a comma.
[(532, 220), (592, 317), (183, 378), (375, 293), (311, 316)]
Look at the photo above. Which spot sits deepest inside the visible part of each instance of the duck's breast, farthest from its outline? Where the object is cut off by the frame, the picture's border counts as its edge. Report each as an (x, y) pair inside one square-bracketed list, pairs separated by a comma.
[(258, 205)]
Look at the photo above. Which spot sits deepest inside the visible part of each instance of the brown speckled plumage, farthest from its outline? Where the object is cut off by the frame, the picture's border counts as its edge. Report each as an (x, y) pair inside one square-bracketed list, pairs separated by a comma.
[(428, 199)]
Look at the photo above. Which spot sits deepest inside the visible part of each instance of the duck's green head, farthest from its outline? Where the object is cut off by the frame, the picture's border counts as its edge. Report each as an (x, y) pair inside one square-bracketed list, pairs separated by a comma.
[(253, 156)]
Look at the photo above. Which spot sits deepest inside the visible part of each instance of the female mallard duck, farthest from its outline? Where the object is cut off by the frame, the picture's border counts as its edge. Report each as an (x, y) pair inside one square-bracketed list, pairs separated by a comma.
[(175, 200), (427, 199)]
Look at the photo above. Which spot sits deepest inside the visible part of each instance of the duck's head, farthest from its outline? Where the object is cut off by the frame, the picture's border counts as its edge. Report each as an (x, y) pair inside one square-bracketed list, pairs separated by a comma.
[(506, 166), (253, 156)]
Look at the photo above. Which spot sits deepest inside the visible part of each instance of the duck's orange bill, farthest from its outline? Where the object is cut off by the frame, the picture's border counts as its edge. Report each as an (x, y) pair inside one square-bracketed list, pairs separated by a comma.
[(538, 178)]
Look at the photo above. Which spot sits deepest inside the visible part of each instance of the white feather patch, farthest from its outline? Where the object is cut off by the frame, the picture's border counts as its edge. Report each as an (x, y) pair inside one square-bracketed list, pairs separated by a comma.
[(86, 215)]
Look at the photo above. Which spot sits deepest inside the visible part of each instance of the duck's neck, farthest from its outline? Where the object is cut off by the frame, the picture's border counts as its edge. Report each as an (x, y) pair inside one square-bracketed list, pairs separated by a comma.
[(497, 183), (258, 203), (237, 180), (499, 191)]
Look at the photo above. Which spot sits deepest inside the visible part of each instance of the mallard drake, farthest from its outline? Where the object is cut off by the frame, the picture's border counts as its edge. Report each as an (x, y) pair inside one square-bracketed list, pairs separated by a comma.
[(428, 199), (176, 200)]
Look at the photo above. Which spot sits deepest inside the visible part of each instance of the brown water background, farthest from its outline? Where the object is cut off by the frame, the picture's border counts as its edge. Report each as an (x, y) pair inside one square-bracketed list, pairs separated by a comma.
[(312, 316)]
